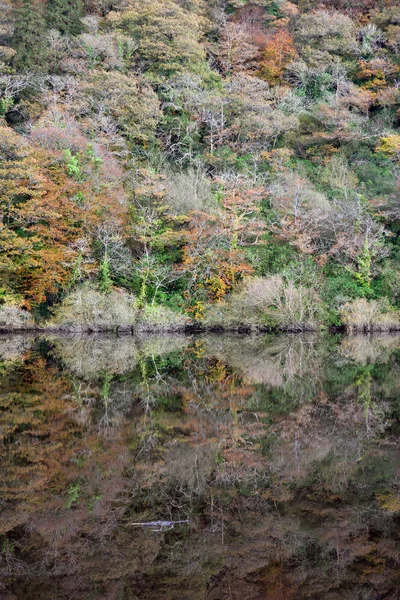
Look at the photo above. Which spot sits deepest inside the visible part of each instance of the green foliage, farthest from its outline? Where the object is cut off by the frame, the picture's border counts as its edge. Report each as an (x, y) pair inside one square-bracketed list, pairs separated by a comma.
[(73, 494), (374, 171), (6, 104), (104, 276), (93, 157), (161, 162), (273, 257), (363, 275), (315, 85), (77, 269), (386, 283), (165, 43), (29, 37), (9, 297), (340, 285), (64, 15), (271, 7), (7, 546), (159, 318), (79, 198), (73, 165)]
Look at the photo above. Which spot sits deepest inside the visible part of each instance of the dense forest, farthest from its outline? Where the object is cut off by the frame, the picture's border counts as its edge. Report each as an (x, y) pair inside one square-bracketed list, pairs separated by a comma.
[(230, 163)]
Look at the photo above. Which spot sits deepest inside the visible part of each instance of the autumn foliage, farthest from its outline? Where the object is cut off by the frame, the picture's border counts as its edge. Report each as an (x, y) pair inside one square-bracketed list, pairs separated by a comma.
[(175, 162), (277, 53)]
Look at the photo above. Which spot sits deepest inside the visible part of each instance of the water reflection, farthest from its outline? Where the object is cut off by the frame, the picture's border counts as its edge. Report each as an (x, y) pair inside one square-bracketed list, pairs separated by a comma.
[(274, 460)]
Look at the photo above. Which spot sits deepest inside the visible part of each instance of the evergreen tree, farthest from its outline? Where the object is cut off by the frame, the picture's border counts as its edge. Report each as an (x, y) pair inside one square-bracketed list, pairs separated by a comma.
[(64, 15), (29, 37), (104, 276)]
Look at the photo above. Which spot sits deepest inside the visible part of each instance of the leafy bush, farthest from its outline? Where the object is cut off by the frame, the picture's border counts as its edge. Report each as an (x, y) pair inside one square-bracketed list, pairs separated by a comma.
[(367, 316), (340, 286), (386, 283), (165, 44), (161, 318), (87, 308), (273, 257), (190, 190), (14, 318), (331, 31), (271, 303)]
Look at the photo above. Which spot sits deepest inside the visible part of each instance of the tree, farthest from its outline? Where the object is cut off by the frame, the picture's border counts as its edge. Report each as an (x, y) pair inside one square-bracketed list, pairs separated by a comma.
[(64, 15), (212, 262), (329, 31), (253, 121), (39, 220), (297, 210), (390, 145), (235, 51), (214, 255), (166, 44), (278, 51), (29, 36), (10, 86), (155, 235), (129, 100)]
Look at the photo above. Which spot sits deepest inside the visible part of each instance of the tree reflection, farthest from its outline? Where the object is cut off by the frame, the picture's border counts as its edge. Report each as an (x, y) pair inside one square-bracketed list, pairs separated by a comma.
[(280, 451)]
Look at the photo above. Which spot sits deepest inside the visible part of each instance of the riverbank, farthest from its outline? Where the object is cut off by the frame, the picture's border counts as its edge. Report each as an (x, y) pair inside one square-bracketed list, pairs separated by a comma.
[(117, 313), (193, 329)]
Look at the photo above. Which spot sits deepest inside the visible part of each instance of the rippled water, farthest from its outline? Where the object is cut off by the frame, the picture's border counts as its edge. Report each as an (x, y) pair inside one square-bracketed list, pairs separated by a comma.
[(180, 468)]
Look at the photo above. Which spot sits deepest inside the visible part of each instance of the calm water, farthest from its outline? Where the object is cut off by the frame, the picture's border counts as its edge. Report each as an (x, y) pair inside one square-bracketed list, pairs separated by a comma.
[(191, 468)]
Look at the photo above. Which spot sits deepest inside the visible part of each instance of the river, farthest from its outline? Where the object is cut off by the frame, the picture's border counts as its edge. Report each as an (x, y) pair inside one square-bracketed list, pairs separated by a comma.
[(199, 467)]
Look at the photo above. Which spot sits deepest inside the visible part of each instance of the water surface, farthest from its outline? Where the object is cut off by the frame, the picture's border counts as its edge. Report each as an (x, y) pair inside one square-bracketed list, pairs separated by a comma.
[(191, 468)]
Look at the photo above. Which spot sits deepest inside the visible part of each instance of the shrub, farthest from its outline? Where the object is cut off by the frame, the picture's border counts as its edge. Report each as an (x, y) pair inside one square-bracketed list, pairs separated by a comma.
[(268, 302), (161, 318), (88, 309), (273, 257), (331, 31), (368, 316), (165, 43), (190, 190), (14, 318)]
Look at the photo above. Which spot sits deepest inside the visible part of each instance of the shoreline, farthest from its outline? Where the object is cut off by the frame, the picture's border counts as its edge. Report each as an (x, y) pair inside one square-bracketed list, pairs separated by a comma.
[(193, 329)]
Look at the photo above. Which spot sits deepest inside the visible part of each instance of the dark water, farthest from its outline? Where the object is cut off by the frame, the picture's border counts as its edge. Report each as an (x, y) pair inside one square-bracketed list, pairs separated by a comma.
[(279, 456)]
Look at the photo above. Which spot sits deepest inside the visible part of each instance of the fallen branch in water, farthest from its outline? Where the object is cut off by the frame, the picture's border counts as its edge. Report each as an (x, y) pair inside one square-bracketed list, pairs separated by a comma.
[(159, 525)]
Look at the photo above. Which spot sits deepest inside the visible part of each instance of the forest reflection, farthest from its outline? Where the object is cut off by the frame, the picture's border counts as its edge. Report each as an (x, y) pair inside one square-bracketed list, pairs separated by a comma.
[(279, 453)]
